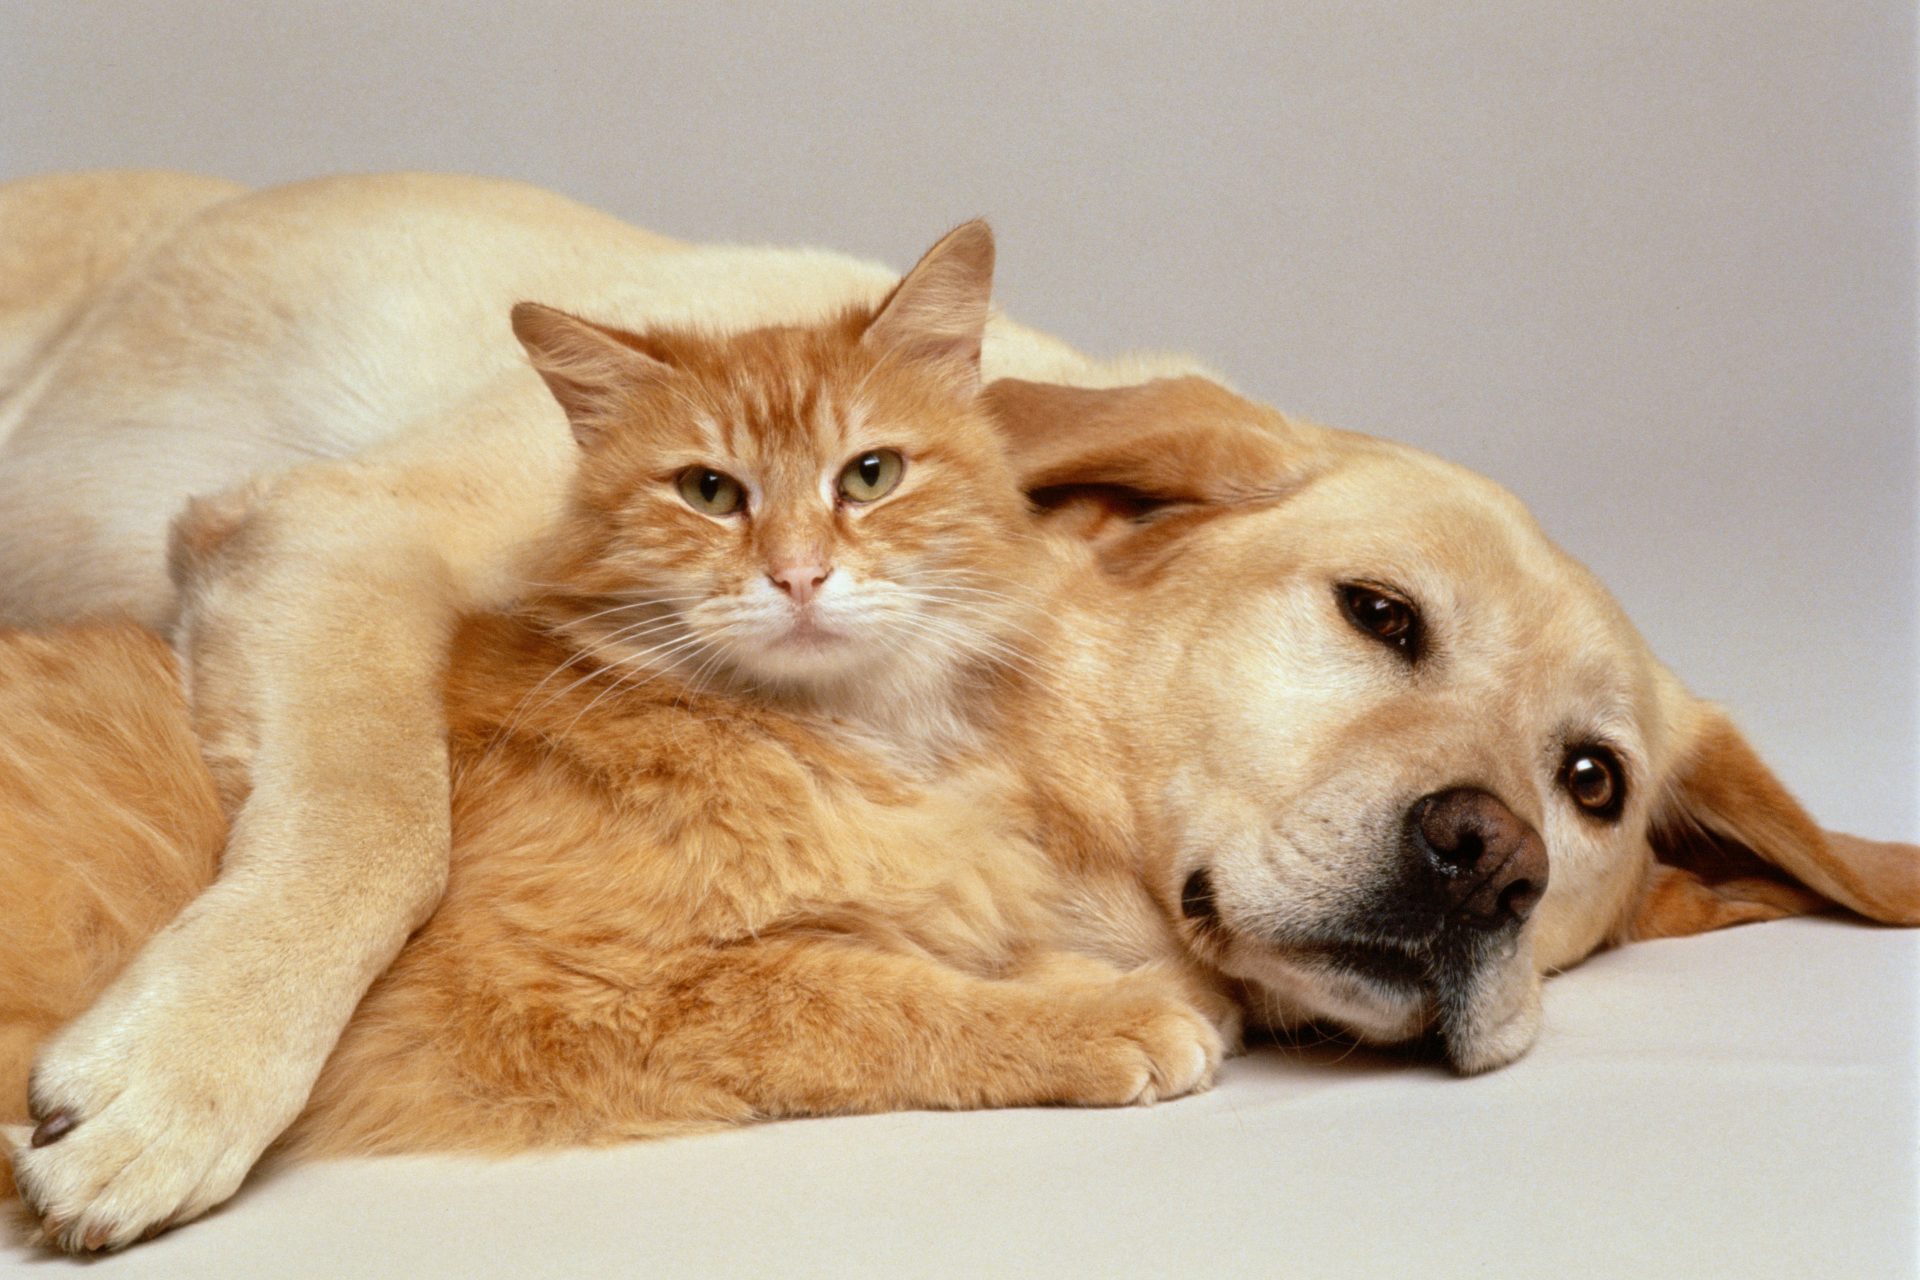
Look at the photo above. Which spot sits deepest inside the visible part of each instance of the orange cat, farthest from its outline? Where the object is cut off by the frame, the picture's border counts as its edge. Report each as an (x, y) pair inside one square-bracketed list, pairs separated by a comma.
[(725, 845), (820, 517)]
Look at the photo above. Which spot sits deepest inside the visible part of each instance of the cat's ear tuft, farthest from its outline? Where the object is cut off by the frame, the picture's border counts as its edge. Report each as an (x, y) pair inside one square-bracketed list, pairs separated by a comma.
[(589, 368), (938, 311)]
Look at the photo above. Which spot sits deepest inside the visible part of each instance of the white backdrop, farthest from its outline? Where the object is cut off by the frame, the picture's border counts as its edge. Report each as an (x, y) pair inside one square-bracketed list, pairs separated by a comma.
[(1651, 265)]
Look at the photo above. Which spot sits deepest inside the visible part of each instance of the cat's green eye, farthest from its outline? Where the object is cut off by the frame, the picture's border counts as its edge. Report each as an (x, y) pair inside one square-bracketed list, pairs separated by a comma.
[(871, 475), (710, 492)]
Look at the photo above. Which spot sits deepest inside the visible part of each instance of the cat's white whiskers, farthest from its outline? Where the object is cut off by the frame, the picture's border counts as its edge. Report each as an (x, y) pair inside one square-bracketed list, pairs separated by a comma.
[(696, 684), (521, 710), (956, 591), (969, 639), (645, 627), (990, 619), (572, 658), (661, 603), (646, 664)]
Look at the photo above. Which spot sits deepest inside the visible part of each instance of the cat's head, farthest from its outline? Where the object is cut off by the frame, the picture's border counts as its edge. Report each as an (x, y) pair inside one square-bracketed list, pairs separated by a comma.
[(792, 510)]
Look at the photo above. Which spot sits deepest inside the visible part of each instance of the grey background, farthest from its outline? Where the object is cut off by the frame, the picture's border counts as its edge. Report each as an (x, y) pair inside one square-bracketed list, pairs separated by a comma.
[(1651, 265)]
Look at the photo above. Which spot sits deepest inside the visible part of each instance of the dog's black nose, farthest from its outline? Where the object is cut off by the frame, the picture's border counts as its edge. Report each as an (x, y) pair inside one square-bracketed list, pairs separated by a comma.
[(1486, 866)]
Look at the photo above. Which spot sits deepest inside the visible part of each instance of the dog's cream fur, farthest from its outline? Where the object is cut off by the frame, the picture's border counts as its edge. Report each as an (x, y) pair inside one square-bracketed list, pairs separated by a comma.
[(335, 356)]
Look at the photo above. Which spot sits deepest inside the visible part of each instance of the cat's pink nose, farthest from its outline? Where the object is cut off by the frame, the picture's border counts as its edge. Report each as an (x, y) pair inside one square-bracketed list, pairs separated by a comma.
[(800, 581)]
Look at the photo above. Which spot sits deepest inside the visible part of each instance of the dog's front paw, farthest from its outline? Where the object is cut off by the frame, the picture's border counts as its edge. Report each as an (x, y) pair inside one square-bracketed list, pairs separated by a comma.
[(140, 1123)]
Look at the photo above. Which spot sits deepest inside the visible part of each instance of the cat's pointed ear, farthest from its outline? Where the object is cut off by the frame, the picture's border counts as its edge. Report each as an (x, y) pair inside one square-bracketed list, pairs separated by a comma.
[(938, 311), (1730, 845), (590, 369)]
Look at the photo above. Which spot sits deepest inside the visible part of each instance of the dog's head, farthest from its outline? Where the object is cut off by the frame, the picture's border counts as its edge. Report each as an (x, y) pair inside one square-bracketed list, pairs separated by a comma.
[(1409, 755)]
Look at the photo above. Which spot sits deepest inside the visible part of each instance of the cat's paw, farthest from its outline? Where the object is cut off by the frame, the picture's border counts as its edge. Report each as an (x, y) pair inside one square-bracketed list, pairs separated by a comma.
[(134, 1133), (1144, 1050)]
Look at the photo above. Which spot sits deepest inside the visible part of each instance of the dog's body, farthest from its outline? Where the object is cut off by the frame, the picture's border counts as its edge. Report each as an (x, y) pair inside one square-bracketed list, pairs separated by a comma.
[(1292, 762)]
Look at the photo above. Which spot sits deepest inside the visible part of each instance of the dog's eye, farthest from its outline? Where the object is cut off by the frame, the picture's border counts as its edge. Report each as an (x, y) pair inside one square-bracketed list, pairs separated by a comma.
[(1386, 618), (1591, 776)]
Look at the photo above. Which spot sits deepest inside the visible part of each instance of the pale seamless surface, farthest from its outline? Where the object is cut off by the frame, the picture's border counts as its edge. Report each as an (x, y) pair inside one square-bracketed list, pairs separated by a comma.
[(1713, 1106)]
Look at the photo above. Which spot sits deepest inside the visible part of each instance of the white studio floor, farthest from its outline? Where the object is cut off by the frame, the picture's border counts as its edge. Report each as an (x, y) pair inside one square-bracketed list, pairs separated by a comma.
[(1741, 1104)]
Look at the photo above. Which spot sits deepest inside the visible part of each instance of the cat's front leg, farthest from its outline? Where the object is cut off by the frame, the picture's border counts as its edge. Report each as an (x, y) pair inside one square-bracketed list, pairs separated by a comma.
[(705, 1036), (810, 1026)]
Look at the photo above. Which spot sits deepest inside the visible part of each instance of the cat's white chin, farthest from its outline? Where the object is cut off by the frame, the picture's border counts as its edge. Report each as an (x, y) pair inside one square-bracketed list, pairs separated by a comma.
[(805, 651), (808, 632)]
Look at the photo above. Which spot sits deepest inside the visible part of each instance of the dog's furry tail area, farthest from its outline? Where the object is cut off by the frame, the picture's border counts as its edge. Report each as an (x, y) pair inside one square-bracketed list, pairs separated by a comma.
[(109, 824)]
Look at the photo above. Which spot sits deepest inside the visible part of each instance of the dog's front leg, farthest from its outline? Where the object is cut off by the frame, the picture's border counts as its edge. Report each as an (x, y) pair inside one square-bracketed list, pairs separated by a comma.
[(316, 614)]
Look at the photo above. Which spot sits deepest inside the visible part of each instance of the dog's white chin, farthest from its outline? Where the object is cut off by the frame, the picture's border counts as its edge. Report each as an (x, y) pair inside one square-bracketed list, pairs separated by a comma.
[(1489, 1019), (1497, 1022)]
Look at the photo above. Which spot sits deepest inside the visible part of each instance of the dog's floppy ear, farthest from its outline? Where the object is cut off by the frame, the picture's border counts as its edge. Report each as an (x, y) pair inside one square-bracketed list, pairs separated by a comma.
[(1731, 846), (1172, 440)]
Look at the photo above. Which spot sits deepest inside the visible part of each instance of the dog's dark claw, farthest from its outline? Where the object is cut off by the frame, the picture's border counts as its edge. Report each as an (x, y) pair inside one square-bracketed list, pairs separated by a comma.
[(53, 1128)]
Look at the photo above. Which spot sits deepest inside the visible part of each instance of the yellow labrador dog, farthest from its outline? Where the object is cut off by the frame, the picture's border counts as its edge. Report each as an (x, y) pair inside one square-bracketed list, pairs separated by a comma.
[(1372, 752)]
